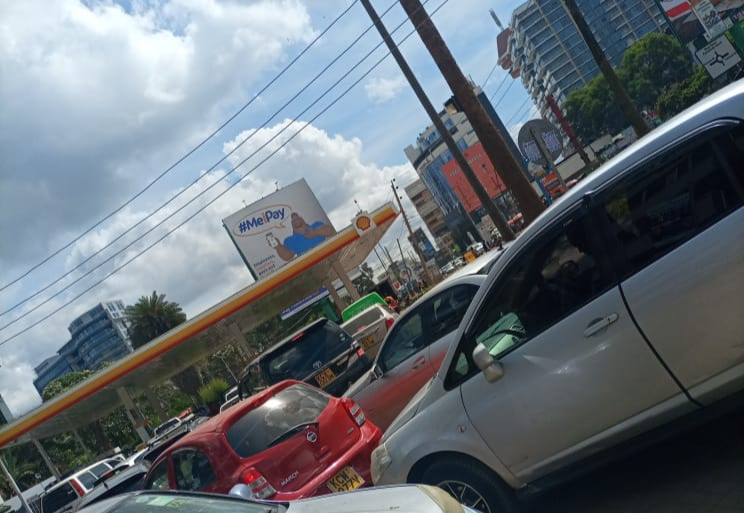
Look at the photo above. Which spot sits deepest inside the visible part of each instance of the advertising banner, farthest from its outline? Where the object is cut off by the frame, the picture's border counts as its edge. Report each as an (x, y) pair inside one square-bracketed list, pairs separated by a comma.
[(697, 22), (278, 228)]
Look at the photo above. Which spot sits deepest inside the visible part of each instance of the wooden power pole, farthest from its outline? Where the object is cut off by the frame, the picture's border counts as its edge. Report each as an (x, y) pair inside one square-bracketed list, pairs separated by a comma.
[(496, 216), (493, 141), (416, 247)]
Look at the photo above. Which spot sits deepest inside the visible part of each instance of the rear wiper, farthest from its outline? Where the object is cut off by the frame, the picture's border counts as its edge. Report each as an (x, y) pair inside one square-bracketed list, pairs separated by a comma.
[(292, 431)]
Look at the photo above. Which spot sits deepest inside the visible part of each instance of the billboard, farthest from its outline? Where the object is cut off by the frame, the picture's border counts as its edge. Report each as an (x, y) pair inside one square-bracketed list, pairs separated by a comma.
[(483, 169), (278, 228), (701, 21)]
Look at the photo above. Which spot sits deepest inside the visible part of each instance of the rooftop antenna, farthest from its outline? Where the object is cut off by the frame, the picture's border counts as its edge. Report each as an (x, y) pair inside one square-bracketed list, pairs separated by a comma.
[(496, 19)]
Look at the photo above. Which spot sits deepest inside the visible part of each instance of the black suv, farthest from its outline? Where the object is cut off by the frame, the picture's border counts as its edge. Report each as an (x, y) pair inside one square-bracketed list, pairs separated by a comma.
[(321, 354)]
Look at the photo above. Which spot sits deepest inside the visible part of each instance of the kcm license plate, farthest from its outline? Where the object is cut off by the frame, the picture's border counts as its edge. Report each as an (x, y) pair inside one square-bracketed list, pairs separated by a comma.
[(346, 480), (325, 378)]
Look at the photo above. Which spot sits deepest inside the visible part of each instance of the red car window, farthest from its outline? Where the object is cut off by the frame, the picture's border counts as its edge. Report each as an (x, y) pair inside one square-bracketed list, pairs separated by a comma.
[(287, 409), (192, 470), (158, 479)]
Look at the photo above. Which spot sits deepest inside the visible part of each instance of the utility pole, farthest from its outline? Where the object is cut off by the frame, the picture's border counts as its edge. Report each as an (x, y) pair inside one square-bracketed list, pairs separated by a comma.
[(621, 95), (493, 141), (416, 247), (480, 191)]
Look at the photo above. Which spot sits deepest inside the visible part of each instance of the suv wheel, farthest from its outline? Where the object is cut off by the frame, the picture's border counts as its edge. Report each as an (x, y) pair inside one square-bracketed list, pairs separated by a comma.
[(472, 485)]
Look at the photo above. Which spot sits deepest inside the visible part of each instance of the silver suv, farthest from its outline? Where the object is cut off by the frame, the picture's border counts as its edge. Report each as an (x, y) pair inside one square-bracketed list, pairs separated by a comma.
[(615, 313)]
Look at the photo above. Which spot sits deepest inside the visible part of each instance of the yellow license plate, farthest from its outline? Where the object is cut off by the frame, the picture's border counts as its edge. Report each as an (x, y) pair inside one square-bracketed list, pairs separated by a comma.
[(368, 342), (325, 378), (344, 481)]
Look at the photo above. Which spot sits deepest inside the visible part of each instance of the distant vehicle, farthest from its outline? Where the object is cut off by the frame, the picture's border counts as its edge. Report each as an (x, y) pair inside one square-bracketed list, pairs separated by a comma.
[(231, 402), (585, 340), (414, 349), (127, 479), (447, 268), (72, 487), (404, 499), (370, 326), (477, 248), (167, 426), (288, 442), (360, 305), (322, 354), (231, 393)]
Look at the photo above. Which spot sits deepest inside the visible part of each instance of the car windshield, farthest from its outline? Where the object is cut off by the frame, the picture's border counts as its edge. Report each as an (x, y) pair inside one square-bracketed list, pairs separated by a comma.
[(160, 503), (363, 320), (287, 409), (306, 352)]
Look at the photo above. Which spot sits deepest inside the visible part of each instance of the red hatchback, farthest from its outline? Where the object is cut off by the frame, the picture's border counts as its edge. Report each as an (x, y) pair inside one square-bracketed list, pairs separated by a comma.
[(288, 442)]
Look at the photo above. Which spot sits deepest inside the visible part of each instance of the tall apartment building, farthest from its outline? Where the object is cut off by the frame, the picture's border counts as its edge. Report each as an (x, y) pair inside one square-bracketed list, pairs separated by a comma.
[(99, 335), (544, 47), (430, 155)]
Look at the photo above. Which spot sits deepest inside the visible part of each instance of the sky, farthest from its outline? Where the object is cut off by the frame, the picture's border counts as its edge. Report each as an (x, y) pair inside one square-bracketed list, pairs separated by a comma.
[(102, 98)]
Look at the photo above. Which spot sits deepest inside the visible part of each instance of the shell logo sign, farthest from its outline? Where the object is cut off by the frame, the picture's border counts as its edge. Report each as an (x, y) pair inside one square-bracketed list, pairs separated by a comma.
[(363, 223)]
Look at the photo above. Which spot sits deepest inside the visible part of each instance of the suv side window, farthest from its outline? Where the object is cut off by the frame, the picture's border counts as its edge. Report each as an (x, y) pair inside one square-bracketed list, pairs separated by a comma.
[(192, 470), (158, 478), (561, 270), (674, 198)]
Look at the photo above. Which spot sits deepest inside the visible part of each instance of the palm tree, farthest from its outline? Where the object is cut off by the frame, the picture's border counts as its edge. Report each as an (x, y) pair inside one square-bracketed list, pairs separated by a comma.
[(152, 316), (23, 471), (149, 318)]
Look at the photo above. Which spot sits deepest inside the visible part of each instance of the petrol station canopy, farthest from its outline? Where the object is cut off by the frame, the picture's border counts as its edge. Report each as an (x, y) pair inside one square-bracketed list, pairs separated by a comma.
[(198, 337)]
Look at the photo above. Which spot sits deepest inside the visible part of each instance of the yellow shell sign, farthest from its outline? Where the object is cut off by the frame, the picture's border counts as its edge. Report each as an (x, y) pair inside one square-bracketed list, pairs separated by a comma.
[(363, 223)]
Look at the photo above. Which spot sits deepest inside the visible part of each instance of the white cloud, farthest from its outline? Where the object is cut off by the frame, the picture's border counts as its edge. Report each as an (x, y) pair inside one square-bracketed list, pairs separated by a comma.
[(381, 90)]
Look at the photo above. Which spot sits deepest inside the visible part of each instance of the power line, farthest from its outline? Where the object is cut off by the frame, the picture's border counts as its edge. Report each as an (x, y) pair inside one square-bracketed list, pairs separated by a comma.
[(182, 191), (184, 157), (517, 111), (503, 81), (483, 86), (119, 268), (504, 95)]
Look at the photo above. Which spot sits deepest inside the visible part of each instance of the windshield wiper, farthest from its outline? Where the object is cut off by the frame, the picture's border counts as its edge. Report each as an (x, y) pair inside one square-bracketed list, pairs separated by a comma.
[(292, 431)]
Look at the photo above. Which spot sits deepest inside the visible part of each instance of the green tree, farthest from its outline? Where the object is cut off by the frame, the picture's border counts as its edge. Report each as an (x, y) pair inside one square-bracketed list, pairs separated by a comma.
[(69, 380), (152, 316), (365, 282), (212, 392), (20, 467), (652, 64), (683, 94), (149, 318)]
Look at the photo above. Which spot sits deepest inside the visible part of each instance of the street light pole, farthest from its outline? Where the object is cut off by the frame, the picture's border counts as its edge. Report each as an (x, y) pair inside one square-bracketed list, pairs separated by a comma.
[(416, 248)]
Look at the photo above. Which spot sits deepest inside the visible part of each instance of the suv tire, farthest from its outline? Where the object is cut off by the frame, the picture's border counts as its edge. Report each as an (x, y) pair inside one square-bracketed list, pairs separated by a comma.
[(472, 485)]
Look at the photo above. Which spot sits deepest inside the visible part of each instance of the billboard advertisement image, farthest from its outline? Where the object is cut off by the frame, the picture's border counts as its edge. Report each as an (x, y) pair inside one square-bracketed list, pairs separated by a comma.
[(278, 228)]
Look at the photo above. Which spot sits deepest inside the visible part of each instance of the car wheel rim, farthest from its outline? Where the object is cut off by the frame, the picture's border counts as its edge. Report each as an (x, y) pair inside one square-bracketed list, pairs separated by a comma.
[(466, 495)]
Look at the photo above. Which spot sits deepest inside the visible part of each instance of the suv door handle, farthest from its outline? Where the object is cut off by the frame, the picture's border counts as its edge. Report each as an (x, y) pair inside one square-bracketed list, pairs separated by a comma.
[(598, 325), (419, 362)]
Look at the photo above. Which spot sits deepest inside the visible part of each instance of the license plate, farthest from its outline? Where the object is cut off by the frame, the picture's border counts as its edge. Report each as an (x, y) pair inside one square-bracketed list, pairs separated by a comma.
[(325, 378), (368, 342), (344, 481)]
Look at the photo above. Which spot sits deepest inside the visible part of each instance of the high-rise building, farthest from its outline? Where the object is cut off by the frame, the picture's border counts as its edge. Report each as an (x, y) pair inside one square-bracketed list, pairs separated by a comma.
[(544, 47), (430, 154), (98, 336)]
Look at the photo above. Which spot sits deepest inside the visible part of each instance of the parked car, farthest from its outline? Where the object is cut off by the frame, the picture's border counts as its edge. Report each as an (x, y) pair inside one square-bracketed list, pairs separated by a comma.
[(71, 487), (168, 425), (321, 353), (414, 349), (476, 248), (370, 326), (614, 317), (229, 403), (290, 441), (401, 499), (120, 480)]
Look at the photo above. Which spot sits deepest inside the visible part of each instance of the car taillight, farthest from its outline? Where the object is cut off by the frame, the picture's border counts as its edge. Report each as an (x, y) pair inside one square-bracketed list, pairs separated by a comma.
[(389, 322), (355, 411), (359, 349), (79, 489), (257, 483)]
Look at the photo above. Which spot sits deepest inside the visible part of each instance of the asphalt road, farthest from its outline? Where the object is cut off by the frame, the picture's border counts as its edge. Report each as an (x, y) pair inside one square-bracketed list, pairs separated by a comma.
[(700, 471)]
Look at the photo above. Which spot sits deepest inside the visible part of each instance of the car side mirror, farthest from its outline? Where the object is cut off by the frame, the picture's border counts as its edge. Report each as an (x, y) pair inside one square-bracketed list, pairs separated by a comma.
[(377, 371), (242, 490), (491, 368)]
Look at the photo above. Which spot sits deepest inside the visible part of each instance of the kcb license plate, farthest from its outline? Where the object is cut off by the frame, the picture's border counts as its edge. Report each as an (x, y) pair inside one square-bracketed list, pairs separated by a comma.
[(344, 481), (325, 378)]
